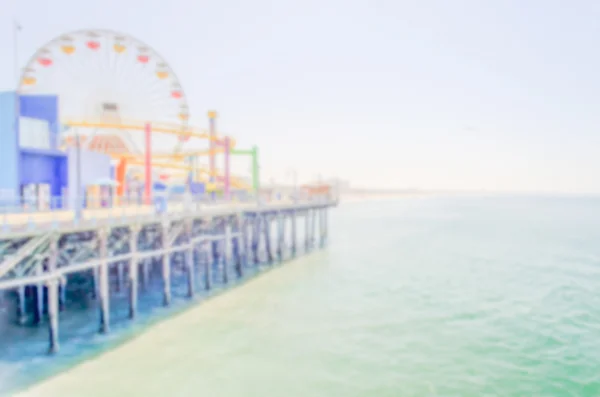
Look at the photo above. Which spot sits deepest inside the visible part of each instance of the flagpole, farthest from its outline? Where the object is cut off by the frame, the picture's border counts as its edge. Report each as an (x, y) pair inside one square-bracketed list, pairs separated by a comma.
[(16, 29), (15, 127)]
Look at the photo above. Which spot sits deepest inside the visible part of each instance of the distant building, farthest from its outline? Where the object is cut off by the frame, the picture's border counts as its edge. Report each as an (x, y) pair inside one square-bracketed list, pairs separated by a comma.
[(336, 183)]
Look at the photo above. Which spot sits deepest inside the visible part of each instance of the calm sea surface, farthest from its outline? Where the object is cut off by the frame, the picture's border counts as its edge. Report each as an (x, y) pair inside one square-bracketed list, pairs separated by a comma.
[(419, 297)]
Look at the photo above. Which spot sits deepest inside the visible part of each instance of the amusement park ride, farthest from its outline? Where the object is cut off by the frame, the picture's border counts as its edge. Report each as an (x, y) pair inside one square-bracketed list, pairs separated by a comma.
[(119, 97)]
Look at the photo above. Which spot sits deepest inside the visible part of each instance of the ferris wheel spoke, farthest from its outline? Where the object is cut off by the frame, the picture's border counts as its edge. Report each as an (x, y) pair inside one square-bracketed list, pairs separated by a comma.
[(157, 95), (158, 85), (122, 51), (138, 81), (132, 78), (109, 57), (65, 69), (122, 62), (126, 64)]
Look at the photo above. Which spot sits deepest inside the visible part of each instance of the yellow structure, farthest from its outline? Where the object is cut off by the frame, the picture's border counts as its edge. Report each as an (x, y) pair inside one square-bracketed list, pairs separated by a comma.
[(173, 161)]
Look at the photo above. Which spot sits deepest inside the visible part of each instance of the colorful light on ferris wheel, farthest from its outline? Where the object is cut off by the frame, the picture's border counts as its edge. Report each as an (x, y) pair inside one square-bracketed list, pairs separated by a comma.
[(44, 61), (143, 57), (176, 94), (29, 80), (93, 45), (119, 48), (162, 70), (68, 49), (67, 46)]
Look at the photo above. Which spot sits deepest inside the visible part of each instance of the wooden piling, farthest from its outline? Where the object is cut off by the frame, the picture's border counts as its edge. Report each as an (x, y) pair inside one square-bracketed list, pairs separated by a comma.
[(39, 295), (166, 264), (294, 232), (307, 230), (21, 306), (134, 270), (267, 233), (256, 237), (207, 250), (280, 235), (102, 236), (313, 227), (189, 259), (226, 247), (238, 246), (52, 286)]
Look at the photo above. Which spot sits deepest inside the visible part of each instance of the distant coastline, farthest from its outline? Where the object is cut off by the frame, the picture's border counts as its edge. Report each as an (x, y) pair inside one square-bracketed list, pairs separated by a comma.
[(362, 195), (349, 194)]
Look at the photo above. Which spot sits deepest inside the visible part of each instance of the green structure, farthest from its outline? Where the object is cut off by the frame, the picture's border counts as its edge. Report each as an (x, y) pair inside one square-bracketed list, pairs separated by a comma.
[(255, 167)]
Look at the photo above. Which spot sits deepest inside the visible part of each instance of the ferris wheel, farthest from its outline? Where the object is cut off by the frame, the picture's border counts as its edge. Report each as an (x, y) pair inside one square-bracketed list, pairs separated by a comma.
[(110, 80)]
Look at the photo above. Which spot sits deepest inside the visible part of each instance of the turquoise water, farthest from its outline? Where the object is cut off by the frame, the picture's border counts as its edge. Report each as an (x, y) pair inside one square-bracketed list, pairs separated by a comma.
[(419, 297)]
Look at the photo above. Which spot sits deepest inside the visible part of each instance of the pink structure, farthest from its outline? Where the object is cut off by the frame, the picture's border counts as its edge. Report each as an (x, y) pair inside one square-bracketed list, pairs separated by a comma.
[(212, 143)]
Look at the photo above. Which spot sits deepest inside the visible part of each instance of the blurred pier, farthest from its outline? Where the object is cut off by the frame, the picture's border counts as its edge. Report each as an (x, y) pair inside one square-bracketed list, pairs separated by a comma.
[(53, 262)]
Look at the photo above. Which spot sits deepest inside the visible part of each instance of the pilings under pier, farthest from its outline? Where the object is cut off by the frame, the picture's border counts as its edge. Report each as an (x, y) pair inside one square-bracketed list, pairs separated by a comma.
[(208, 247)]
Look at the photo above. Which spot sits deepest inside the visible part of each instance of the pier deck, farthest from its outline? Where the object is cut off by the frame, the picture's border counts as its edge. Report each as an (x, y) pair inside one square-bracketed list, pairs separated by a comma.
[(29, 223)]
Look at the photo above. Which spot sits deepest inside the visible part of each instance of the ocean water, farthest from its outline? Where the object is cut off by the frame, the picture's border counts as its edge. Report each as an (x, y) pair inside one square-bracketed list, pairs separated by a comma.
[(416, 297)]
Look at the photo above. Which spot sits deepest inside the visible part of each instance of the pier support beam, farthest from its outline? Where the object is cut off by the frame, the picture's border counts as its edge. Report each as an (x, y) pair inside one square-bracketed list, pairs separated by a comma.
[(39, 295), (134, 270), (326, 224), (146, 262), (294, 233), (52, 286), (189, 259), (214, 229), (206, 251), (226, 247), (267, 223), (21, 306), (238, 245), (323, 232), (280, 235), (313, 227), (166, 264), (103, 281), (307, 230), (256, 238), (245, 239)]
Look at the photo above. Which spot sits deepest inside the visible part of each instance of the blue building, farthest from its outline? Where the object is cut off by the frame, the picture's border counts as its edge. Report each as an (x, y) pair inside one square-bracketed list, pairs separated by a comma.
[(34, 168)]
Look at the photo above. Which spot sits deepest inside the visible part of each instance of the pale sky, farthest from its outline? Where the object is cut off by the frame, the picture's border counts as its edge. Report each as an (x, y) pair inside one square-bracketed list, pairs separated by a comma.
[(433, 94)]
